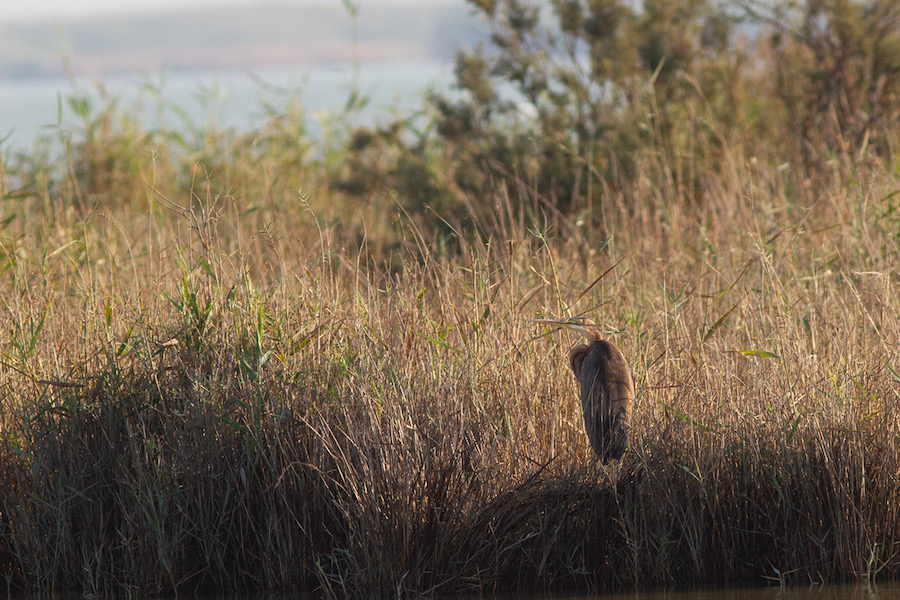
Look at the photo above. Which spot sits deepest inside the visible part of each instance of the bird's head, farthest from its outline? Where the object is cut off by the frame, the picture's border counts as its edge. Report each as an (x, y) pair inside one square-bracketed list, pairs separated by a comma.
[(582, 325)]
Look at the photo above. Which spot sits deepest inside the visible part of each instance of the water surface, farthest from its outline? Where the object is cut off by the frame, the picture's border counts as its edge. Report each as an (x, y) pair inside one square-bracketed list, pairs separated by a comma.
[(230, 99), (886, 591)]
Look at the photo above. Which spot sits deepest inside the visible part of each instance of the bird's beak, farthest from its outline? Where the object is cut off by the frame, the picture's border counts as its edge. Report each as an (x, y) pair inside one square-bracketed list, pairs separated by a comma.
[(572, 323)]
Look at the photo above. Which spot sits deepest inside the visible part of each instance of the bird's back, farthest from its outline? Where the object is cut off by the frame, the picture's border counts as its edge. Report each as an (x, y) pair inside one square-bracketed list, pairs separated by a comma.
[(607, 393)]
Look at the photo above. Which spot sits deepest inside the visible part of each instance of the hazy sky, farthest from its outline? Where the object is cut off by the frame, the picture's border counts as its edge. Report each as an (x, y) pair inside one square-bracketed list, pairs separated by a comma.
[(80, 8)]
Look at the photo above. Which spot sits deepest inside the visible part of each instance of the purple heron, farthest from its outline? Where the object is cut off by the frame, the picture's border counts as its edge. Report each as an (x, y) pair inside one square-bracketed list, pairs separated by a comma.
[(607, 390)]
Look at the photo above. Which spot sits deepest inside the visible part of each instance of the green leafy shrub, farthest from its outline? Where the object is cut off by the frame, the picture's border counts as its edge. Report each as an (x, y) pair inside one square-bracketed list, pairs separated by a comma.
[(834, 70), (569, 99), (570, 103)]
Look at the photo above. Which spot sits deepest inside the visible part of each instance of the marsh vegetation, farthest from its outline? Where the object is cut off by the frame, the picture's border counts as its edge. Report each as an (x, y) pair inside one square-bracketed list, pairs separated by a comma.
[(265, 361)]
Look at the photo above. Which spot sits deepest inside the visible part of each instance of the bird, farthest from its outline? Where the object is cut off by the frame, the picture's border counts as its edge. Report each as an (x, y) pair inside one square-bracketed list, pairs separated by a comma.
[(607, 388)]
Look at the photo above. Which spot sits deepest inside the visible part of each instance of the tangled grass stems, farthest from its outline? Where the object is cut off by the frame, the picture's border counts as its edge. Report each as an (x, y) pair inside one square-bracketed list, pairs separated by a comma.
[(239, 392)]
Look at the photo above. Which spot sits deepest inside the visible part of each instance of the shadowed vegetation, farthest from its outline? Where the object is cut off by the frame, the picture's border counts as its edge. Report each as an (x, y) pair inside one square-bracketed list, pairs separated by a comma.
[(223, 369)]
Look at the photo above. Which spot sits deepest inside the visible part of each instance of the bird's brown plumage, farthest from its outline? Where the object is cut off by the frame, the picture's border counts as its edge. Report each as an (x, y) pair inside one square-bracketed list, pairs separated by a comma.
[(607, 390)]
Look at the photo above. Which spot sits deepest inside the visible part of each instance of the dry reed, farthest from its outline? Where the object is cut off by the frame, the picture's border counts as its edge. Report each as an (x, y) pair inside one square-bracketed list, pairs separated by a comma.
[(241, 392)]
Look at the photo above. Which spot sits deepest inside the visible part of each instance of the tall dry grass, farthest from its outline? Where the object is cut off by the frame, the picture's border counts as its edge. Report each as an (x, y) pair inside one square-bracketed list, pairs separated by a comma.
[(234, 384)]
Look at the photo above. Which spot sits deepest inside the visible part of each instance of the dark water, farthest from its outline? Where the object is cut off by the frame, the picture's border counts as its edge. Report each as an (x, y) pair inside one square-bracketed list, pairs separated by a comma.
[(888, 591)]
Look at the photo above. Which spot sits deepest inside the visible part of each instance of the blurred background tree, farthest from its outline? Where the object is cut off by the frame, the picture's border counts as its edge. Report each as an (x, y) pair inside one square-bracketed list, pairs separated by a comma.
[(834, 71), (572, 100)]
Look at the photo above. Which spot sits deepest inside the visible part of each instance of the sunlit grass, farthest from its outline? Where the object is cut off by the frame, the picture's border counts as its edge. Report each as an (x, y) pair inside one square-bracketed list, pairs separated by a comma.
[(219, 374)]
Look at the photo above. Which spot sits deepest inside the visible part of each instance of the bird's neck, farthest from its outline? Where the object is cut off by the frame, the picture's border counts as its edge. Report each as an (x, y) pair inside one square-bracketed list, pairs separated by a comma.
[(592, 332)]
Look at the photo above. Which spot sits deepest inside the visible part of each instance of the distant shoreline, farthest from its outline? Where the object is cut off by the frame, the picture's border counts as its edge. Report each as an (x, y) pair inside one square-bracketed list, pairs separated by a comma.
[(232, 38), (262, 56)]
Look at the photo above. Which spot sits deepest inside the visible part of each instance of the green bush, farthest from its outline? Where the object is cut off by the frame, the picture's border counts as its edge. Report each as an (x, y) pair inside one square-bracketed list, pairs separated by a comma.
[(572, 101), (834, 67)]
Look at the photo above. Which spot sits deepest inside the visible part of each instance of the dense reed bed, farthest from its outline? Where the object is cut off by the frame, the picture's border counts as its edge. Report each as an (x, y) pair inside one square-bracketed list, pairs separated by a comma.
[(235, 379)]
